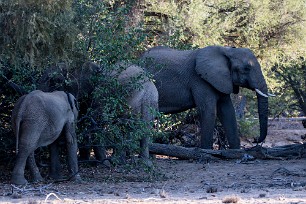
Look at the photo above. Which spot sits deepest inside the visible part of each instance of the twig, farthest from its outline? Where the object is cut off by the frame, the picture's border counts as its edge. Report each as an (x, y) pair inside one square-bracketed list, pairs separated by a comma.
[(47, 197), (96, 161), (17, 188), (24, 190), (286, 172), (67, 179), (44, 187)]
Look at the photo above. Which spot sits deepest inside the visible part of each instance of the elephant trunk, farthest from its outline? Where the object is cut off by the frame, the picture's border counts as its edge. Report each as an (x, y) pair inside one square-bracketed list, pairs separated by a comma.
[(262, 99), (263, 117), (19, 89), (258, 83)]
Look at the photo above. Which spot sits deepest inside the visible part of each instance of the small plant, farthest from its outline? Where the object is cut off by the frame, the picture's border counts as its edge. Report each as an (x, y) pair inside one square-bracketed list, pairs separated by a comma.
[(248, 128), (212, 189)]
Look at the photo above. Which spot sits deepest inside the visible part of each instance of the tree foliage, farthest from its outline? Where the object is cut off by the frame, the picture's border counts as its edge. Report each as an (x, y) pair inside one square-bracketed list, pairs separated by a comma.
[(35, 32), (107, 38), (291, 73)]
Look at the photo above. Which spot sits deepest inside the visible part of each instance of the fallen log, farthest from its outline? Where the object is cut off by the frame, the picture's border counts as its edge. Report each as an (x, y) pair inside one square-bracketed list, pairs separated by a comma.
[(257, 152)]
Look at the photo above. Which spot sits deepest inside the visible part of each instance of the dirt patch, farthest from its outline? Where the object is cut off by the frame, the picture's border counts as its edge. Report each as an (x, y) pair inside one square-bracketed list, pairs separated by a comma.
[(181, 181)]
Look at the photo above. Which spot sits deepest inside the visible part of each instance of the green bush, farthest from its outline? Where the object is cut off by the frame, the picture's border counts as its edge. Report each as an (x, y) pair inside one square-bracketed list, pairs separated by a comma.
[(248, 128), (72, 32), (108, 39)]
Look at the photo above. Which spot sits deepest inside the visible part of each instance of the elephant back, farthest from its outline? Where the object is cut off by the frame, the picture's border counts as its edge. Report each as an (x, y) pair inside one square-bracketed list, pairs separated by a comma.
[(161, 57), (132, 72), (82, 84), (53, 78)]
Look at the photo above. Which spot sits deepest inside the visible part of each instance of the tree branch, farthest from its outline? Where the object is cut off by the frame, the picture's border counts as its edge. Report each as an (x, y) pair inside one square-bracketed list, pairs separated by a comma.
[(257, 152)]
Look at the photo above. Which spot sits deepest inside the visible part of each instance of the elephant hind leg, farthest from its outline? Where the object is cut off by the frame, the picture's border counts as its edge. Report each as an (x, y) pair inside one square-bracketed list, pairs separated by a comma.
[(72, 149), (18, 171), (148, 115), (55, 167), (35, 174), (27, 145)]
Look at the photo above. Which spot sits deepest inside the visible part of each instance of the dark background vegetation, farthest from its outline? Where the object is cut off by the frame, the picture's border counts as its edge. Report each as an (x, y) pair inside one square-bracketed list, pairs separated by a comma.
[(36, 34)]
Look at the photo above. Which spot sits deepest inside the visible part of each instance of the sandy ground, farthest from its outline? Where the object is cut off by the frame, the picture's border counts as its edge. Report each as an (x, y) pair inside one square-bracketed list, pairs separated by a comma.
[(181, 181)]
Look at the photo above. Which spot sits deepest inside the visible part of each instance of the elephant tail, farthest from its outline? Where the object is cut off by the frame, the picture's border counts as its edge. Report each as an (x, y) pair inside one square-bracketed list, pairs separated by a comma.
[(17, 119), (18, 122), (17, 132), (72, 102), (69, 100)]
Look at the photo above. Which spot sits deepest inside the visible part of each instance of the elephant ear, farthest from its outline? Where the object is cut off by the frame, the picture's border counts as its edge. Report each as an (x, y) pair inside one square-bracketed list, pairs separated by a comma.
[(214, 67)]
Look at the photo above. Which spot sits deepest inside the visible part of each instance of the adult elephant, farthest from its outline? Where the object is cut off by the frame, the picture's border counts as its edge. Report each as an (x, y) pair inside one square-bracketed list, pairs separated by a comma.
[(205, 78), (38, 119)]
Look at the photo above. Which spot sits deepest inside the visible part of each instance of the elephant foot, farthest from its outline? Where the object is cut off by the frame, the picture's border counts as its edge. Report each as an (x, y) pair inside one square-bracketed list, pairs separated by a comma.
[(55, 176), (37, 178), (234, 145), (18, 180), (107, 163), (147, 163), (77, 179)]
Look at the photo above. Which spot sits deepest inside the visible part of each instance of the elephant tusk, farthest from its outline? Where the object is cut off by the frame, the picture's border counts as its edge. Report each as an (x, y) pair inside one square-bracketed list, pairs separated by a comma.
[(260, 93), (272, 95)]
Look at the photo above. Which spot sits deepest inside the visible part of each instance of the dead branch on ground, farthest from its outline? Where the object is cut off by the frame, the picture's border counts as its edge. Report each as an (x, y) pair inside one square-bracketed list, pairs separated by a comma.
[(257, 152)]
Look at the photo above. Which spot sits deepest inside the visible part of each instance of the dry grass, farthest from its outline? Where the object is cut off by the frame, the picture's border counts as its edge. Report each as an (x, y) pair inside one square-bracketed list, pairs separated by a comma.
[(232, 199)]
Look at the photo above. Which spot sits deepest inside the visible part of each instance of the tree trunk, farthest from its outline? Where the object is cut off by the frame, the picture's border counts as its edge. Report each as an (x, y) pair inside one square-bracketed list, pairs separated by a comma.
[(257, 152)]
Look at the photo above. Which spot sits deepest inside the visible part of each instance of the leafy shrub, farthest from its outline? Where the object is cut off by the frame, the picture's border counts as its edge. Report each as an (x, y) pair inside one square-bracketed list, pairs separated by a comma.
[(108, 39), (248, 128), (72, 32)]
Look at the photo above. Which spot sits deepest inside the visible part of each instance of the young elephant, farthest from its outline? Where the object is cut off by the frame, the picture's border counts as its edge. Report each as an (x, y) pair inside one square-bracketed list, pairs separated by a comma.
[(38, 119), (142, 100)]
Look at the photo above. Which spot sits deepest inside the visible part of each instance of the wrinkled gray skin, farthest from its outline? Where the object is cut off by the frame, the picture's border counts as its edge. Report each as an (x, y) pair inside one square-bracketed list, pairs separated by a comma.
[(205, 78), (80, 85), (38, 119), (53, 79), (140, 100)]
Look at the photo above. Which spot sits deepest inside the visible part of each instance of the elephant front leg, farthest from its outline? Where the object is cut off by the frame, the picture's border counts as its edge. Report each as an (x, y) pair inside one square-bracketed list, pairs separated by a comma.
[(100, 153), (226, 114), (148, 115), (144, 151), (144, 146), (73, 162), (207, 125)]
